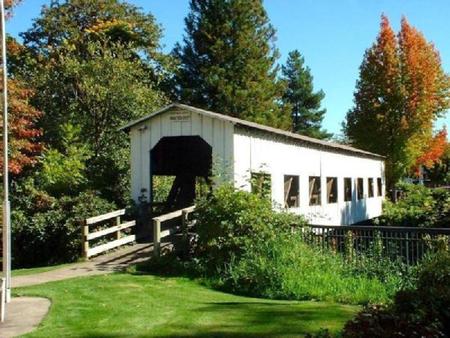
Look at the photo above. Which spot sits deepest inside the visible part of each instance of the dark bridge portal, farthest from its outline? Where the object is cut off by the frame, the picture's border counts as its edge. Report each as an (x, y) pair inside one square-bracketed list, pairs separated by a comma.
[(186, 158)]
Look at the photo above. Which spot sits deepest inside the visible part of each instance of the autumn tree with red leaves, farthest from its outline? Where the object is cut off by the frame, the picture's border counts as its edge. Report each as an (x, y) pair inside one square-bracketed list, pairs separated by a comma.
[(22, 117), (434, 152), (401, 91)]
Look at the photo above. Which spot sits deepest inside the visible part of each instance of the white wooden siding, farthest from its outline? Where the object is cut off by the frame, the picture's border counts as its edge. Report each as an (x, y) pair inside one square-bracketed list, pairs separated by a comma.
[(255, 151), (238, 151)]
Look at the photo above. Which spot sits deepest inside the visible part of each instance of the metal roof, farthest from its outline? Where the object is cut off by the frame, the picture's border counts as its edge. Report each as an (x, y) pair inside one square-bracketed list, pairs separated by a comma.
[(253, 125)]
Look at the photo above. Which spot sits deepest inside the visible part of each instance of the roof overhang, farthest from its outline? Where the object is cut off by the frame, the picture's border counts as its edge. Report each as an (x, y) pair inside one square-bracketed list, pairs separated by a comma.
[(252, 125)]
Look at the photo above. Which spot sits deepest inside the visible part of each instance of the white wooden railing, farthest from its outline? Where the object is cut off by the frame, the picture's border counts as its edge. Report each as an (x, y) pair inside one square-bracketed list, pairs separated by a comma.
[(119, 240), (183, 226)]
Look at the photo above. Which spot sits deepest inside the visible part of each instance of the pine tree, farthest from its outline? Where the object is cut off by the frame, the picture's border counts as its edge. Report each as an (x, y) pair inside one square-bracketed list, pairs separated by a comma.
[(227, 61), (307, 115), (401, 90)]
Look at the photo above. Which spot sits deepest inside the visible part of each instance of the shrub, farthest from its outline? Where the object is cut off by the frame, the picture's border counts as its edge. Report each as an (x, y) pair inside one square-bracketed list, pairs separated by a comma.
[(228, 221), (46, 230), (248, 248), (420, 312), (418, 207)]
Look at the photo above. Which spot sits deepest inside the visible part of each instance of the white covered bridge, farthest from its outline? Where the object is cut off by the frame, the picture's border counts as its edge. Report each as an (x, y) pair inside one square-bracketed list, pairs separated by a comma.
[(329, 183)]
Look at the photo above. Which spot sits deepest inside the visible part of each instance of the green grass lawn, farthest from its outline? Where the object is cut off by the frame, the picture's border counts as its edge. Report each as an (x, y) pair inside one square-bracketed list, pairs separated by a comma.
[(127, 305)]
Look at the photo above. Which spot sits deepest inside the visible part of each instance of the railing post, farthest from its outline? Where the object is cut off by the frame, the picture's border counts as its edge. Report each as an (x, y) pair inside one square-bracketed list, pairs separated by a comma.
[(184, 229), (85, 241), (118, 231), (156, 237)]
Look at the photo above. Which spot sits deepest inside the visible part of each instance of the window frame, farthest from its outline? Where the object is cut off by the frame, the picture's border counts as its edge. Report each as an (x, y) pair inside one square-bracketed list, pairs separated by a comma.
[(348, 198), (311, 190), (256, 175), (359, 188), (288, 196), (379, 187), (370, 188), (334, 188)]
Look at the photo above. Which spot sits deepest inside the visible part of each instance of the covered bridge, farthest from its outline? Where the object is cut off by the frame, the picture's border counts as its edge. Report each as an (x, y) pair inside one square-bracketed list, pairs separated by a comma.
[(329, 183)]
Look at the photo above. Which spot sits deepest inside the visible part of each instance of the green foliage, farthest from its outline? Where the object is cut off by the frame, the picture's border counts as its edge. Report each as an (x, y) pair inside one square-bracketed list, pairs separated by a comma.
[(285, 267), (65, 172), (423, 311), (228, 62), (229, 219), (419, 206), (47, 230), (95, 65), (261, 184), (246, 247), (306, 114)]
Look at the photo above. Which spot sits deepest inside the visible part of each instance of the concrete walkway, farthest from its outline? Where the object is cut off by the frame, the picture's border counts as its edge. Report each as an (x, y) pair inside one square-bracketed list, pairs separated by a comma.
[(23, 316), (115, 261)]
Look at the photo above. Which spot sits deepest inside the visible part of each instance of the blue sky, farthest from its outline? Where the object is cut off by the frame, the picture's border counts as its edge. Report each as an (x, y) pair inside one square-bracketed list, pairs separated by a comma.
[(332, 35)]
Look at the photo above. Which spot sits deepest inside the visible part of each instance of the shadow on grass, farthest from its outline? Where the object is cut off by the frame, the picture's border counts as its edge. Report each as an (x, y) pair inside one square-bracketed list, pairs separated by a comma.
[(253, 319)]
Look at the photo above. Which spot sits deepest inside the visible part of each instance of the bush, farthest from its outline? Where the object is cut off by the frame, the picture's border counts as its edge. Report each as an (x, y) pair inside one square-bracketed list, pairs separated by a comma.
[(46, 230), (228, 221), (248, 248), (420, 312), (418, 207)]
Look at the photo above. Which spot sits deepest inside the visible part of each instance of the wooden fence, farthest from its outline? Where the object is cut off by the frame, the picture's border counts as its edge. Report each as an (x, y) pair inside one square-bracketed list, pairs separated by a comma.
[(182, 215), (115, 230), (406, 244)]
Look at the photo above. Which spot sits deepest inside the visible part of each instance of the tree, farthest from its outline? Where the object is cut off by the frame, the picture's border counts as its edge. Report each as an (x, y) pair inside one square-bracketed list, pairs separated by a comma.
[(434, 151), (401, 91), (307, 114), (96, 65), (227, 61), (24, 135)]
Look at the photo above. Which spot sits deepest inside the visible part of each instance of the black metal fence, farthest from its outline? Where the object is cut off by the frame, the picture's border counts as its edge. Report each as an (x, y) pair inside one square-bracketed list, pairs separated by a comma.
[(405, 244)]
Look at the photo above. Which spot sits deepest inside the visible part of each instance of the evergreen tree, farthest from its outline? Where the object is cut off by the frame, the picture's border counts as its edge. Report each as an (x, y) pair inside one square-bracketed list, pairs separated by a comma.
[(401, 90), (307, 115), (227, 61)]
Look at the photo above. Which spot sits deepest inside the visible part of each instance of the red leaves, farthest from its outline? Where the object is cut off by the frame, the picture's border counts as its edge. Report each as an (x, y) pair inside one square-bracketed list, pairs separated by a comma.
[(23, 134), (434, 151)]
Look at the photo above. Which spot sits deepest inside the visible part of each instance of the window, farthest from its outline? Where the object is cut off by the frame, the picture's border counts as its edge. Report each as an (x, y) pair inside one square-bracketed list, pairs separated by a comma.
[(347, 189), (314, 190), (371, 193), (360, 188), (332, 189), (291, 191), (261, 184), (380, 187)]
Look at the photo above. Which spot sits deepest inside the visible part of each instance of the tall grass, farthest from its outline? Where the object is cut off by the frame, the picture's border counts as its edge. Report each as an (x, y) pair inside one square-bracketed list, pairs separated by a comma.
[(286, 268)]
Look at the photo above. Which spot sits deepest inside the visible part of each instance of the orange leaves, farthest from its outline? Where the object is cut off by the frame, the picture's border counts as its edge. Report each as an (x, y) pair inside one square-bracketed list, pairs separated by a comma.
[(434, 151), (23, 134), (401, 91)]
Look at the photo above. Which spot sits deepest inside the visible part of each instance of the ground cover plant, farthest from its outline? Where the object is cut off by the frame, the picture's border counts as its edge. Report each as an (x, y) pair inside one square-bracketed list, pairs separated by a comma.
[(247, 248), (127, 305)]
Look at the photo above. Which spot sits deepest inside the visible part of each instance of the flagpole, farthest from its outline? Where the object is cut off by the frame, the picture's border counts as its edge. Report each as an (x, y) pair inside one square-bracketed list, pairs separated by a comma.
[(6, 207)]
